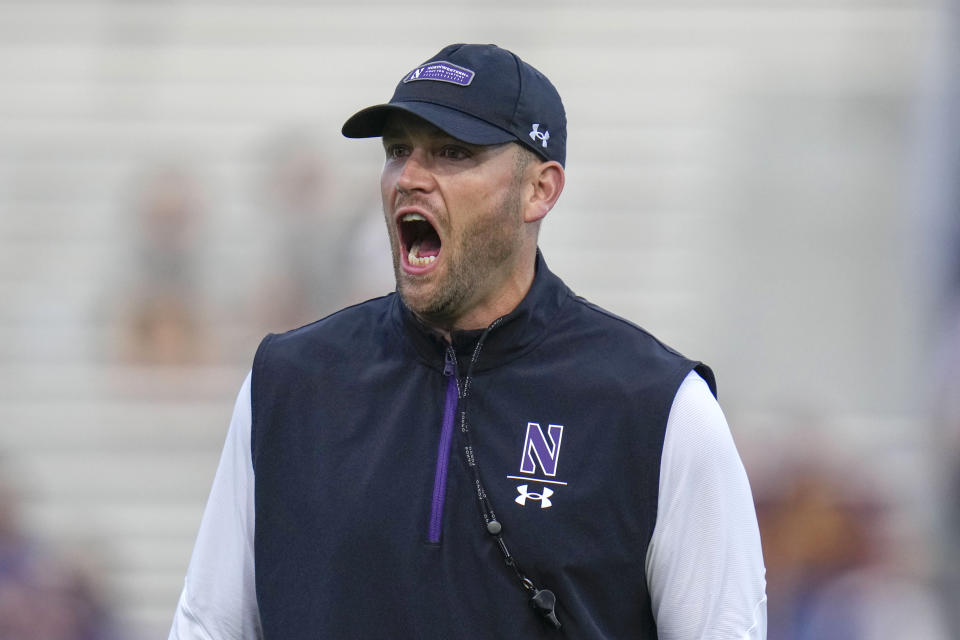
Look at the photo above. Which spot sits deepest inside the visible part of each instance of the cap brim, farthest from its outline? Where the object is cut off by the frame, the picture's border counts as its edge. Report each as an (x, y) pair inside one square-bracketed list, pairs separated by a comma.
[(369, 122)]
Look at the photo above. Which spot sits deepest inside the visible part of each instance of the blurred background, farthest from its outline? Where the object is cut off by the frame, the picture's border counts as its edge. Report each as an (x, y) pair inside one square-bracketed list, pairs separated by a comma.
[(770, 187)]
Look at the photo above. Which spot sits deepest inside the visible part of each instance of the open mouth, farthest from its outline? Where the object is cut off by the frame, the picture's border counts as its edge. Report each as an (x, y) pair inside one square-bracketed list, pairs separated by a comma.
[(420, 241)]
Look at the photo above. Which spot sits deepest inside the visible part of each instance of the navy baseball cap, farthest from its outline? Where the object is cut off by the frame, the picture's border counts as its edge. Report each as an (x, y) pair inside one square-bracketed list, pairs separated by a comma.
[(478, 93)]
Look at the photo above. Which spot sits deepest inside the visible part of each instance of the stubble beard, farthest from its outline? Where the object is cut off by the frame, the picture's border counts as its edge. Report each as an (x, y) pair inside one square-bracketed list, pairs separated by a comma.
[(478, 253)]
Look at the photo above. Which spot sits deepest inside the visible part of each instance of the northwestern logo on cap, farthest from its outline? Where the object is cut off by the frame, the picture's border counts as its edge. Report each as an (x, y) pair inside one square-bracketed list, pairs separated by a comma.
[(441, 71)]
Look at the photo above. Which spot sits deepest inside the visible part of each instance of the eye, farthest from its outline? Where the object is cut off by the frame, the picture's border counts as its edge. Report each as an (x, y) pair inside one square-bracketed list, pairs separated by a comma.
[(396, 150), (454, 152)]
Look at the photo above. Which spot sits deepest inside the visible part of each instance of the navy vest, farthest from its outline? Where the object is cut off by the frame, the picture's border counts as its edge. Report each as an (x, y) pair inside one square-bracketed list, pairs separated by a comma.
[(367, 521)]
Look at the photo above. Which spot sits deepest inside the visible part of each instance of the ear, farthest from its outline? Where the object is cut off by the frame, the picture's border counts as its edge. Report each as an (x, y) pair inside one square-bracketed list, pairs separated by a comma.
[(547, 180)]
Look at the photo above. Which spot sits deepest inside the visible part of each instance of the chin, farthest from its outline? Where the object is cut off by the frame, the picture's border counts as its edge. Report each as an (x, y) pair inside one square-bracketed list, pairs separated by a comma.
[(426, 307), (413, 296)]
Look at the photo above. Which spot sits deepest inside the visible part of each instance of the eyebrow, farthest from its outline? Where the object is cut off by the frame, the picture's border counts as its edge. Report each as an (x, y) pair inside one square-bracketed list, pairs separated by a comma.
[(439, 137), (392, 132), (397, 132)]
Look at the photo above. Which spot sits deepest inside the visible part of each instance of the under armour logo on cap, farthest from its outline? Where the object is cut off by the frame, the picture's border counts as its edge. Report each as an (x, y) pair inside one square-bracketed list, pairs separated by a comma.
[(536, 134), (525, 495)]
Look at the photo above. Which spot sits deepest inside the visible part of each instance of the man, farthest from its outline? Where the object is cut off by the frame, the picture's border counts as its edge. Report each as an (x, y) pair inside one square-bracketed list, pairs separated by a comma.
[(482, 454)]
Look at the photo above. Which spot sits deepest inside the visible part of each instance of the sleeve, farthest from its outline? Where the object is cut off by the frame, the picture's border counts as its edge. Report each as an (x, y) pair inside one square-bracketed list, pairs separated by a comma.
[(704, 564), (219, 600)]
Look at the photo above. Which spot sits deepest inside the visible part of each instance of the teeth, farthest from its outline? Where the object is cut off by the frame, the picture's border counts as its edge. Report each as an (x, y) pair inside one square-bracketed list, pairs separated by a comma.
[(414, 259), (412, 217)]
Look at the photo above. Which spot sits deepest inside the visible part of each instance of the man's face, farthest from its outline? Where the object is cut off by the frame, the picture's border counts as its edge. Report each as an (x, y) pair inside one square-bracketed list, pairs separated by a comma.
[(454, 217)]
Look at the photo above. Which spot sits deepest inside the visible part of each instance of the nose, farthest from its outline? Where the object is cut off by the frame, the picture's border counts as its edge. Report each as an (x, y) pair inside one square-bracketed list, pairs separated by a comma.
[(415, 174)]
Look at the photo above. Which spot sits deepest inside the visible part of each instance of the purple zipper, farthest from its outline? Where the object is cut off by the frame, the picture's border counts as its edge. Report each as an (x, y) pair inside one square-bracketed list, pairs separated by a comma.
[(443, 450)]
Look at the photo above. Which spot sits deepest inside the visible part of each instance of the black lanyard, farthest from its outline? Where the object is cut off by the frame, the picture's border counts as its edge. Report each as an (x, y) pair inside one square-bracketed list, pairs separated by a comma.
[(543, 601)]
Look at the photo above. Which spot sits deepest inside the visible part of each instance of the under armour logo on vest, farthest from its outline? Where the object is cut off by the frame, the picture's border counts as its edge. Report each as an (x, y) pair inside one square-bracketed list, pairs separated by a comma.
[(536, 134), (544, 497)]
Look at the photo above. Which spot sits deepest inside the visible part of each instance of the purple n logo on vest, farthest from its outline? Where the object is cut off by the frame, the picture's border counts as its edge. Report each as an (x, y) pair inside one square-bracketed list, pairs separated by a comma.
[(537, 451)]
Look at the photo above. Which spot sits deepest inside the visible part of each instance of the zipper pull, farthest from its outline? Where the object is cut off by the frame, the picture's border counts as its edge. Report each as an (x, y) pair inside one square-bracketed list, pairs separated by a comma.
[(450, 362)]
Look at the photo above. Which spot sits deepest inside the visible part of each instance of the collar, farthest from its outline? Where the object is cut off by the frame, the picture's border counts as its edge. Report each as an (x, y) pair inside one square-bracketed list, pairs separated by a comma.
[(520, 331)]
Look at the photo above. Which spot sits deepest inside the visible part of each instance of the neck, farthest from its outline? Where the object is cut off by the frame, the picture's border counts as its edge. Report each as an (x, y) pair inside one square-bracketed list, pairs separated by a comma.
[(502, 301)]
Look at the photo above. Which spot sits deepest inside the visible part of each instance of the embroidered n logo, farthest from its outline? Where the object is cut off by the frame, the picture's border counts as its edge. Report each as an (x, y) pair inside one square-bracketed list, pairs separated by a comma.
[(536, 451)]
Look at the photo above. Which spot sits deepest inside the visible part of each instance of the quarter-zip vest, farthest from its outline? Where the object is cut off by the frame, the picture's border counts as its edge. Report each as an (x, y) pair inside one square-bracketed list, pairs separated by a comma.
[(367, 522)]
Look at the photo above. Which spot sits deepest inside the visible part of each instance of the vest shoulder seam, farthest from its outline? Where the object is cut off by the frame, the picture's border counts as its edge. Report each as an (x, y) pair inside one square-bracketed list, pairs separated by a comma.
[(629, 324)]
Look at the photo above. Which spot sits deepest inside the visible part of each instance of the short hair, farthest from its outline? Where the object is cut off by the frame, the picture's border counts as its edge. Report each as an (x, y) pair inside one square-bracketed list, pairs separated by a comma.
[(524, 158)]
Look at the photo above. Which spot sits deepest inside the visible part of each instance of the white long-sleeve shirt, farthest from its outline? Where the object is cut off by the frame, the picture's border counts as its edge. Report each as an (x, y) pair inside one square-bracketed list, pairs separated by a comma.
[(704, 564)]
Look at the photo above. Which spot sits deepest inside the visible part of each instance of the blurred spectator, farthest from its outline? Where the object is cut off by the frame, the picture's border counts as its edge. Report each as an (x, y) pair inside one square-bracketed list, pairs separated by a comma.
[(41, 597), (322, 255), (301, 282), (833, 570), (163, 319)]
